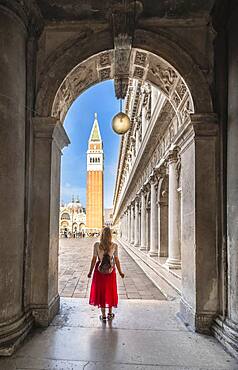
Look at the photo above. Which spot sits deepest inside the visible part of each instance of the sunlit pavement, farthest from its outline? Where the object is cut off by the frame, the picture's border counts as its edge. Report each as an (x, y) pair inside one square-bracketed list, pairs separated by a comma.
[(74, 262), (144, 335)]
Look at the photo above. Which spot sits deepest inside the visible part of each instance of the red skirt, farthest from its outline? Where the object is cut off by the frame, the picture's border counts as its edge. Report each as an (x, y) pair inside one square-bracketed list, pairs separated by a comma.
[(103, 289)]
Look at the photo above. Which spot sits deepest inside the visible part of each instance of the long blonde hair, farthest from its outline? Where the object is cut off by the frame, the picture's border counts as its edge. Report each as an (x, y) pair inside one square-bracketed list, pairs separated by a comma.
[(106, 239)]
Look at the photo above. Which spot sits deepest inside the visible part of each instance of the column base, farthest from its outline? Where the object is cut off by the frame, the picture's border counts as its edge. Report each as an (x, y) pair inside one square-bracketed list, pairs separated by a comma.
[(200, 322), (153, 253), (162, 254), (43, 314), (173, 263), (13, 333), (136, 244), (226, 332), (143, 248)]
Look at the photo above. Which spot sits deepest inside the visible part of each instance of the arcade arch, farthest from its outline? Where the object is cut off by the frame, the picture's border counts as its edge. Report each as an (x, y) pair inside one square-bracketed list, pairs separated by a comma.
[(187, 121), (35, 144)]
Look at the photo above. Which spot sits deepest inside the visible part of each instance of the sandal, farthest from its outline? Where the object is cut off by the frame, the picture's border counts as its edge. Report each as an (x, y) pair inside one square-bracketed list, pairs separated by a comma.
[(110, 316), (103, 318)]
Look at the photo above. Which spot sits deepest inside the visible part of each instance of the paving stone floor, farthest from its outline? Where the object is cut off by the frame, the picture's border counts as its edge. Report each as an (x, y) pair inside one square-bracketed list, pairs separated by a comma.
[(145, 335), (74, 261)]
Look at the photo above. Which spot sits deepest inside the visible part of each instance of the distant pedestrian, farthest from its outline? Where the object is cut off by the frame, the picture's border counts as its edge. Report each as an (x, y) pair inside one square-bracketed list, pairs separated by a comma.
[(104, 285)]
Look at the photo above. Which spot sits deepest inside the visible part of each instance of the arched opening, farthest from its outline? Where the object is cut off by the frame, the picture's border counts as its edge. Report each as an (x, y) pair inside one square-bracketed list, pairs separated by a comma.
[(51, 53), (181, 103)]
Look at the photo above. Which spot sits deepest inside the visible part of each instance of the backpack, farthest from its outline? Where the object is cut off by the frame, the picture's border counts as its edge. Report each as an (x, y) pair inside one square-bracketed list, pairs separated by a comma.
[(106, 266)]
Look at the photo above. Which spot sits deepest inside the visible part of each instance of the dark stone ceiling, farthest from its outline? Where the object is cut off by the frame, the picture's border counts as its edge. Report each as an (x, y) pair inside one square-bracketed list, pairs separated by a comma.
[(72, 10)]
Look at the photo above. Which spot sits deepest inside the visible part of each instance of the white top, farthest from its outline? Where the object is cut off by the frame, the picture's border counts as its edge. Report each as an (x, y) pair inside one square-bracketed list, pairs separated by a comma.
[(97, 252)]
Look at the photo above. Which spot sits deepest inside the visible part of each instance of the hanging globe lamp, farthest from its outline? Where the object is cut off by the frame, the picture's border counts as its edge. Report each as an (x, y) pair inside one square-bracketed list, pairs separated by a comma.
[(121, 123)]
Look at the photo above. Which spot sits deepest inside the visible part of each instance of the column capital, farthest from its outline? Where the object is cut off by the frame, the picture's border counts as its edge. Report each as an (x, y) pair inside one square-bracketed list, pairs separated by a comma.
[(143, 190), (137, 199), (160, 171), (52, 129), (153, 180), (203, 125), (172, 156)]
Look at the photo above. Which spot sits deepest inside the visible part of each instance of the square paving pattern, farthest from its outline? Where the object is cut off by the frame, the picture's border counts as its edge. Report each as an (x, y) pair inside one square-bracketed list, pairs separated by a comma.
[(74, 262)]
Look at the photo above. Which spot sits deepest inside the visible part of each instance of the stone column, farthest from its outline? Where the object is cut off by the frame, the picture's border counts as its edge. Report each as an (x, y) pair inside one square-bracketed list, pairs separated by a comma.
[(148, 236), (49, 138), (174, 258), (137, 139), (129, 224), (153, 217), (132, 223), (162, 201), (15, 322), (143, 117), (199, 302), (143, 220), (126, 226), (227, 330), (136, 235)]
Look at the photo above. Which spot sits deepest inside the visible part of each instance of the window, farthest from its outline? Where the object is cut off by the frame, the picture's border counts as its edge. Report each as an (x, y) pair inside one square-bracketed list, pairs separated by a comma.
[(65, 216)]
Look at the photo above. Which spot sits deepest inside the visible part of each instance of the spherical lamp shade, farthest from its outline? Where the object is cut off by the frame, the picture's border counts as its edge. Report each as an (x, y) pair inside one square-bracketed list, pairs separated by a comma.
[(121, 123)]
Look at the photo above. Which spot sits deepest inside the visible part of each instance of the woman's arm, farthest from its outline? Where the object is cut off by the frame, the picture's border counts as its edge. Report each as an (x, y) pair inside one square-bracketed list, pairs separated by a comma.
[(117, 262), (93, 262)]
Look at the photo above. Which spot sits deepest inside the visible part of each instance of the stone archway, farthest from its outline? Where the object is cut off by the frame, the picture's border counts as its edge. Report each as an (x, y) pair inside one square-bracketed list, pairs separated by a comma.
[(79, 64), (95, 62), (38, 137)]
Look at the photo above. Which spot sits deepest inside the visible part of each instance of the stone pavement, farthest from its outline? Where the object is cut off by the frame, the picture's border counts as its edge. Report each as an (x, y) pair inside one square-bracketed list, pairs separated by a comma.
[(145, 335), (74, 262)]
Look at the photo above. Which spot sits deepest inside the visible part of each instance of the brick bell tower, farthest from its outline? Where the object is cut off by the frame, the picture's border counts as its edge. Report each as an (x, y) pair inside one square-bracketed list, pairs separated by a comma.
[(95, 158)]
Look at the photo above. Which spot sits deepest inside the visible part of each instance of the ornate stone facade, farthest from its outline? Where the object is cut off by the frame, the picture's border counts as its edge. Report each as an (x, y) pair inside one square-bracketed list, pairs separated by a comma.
[(72, 220), (155, 185)]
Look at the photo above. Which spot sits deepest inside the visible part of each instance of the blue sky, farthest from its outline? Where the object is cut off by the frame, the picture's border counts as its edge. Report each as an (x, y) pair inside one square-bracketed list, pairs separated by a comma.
[(78, 124)]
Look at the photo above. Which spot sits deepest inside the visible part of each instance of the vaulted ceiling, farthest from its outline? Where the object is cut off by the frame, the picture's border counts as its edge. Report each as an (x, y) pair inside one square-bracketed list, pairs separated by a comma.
[(98, 9)]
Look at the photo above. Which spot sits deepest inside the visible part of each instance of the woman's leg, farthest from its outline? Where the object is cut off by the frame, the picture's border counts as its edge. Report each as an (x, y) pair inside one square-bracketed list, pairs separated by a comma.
[(103, 310), (110, 315)]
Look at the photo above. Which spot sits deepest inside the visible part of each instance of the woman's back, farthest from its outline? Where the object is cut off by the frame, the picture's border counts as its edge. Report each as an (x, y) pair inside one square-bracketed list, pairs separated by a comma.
[(99, 250)]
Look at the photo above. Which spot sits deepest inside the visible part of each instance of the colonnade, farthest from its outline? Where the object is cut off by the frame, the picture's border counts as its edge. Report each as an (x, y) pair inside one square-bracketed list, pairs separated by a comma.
[(151, 221)]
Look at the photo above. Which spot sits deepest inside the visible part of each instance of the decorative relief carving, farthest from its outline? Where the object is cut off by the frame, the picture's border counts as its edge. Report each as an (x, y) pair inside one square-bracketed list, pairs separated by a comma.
[(104, 60), (140, 58), (138, 73), (181, 88), (104, 74), (186, 111), (165, 75), (176, 99)]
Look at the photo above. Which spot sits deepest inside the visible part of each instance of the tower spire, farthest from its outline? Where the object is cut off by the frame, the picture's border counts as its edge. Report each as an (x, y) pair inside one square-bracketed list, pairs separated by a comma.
[(95, 132)]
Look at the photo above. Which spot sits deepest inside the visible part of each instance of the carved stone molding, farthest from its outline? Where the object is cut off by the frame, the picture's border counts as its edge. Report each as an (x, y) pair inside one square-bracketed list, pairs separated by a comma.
[(172, 155)]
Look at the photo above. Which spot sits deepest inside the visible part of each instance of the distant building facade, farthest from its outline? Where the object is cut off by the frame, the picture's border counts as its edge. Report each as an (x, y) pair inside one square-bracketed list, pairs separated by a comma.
[(95, 168), (72, 222), (108, 217)]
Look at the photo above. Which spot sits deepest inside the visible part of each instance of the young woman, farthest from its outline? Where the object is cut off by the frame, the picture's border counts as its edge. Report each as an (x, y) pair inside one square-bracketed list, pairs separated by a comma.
[(104, 286)]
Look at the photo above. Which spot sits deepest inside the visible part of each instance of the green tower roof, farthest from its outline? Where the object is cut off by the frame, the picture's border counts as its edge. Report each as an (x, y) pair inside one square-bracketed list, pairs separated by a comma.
[(95, 133)]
